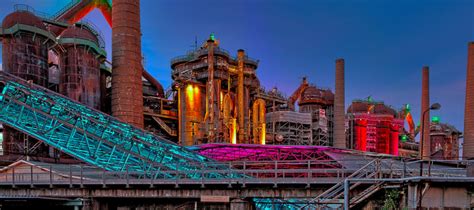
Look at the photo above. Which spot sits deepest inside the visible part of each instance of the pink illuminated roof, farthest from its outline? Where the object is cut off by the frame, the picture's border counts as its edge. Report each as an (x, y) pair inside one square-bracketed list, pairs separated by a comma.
[(254, 152)]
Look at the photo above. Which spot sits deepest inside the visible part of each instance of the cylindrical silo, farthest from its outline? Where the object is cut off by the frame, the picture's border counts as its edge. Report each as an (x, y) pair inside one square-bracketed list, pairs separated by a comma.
[(25, 42), (25, 52), (80, 65)]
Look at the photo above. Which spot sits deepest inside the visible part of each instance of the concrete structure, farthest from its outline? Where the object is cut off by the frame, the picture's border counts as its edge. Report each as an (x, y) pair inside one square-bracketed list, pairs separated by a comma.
[(468, 147), (425, 105), (339, 104), (127, 68)]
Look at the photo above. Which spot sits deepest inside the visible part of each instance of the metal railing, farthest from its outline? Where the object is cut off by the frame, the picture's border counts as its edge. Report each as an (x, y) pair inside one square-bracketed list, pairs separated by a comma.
[(252, 173), (27, 8), (95, 30), (66, 8)]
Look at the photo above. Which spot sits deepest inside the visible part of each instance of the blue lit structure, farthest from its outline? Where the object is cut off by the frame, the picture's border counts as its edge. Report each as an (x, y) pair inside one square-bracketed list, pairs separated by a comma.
[(282, 204), (97, 138)]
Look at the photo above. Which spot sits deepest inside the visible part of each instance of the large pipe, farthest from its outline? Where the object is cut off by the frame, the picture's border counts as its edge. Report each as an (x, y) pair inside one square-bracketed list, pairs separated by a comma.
[(425, 105), (468, 147), (127, 99), (240, 96), (339, 107), (210, 110)]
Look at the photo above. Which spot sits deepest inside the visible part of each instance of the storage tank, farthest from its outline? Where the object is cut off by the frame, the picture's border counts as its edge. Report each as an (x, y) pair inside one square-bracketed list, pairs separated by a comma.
[(25, 42), (80, 65), (25, 49)]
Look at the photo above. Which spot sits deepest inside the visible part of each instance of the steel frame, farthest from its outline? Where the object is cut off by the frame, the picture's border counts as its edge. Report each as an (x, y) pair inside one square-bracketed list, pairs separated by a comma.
[(94, 137)]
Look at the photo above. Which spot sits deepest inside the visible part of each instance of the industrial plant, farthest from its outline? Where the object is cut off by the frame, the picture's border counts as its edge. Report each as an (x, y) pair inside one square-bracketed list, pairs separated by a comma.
[(83, 132)]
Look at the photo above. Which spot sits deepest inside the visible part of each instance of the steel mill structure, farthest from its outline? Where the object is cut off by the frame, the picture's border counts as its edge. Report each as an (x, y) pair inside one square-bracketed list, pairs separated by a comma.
[(217, 97), (82, 132), (374, 126), (444, 140)]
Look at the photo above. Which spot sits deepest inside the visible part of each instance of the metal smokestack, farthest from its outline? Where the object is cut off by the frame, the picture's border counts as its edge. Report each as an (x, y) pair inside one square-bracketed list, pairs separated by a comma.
[(127, 99), (468, 147), (425, 105), (339, 107)]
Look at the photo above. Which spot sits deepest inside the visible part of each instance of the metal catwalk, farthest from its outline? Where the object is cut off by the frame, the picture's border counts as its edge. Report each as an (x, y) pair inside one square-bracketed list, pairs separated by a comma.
[(97, 138)]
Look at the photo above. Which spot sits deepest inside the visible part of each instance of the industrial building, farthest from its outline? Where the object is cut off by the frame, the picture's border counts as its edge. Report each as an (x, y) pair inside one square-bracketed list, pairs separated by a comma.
[(374, 126), (217, 97), (444, 140), (216, 139)]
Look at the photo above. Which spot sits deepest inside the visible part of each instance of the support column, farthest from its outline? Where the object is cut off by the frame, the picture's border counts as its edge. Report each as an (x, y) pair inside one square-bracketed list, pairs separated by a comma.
[(210, 93), (412, 196), (239, 204), (240, 97)]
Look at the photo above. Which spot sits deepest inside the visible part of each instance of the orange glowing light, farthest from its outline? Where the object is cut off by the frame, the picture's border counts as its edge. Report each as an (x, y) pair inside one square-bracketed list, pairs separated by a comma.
[(190, 96), (234, 131), (221, 98)]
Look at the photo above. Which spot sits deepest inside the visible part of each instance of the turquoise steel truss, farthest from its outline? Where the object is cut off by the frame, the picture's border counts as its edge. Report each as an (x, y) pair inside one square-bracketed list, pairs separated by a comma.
[(97, 138)]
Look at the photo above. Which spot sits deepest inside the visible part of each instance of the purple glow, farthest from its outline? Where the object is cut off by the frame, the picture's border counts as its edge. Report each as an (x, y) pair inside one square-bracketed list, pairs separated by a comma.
[(255, 152)]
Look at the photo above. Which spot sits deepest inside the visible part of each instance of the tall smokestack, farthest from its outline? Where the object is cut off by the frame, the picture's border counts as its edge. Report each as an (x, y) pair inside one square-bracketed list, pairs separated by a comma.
[(425, 105), (339, 107), (468, 147), (127, 99)]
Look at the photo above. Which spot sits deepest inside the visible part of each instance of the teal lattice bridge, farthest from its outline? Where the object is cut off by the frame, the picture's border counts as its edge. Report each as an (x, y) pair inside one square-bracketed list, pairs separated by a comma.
[(97, 138)]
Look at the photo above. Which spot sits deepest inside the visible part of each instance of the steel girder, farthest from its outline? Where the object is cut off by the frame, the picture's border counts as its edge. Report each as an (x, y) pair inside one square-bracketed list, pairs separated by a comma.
[(97, 138)]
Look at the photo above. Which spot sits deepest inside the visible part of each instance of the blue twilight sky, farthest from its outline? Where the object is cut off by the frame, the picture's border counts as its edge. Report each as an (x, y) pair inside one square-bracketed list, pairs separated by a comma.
[(385, 43)]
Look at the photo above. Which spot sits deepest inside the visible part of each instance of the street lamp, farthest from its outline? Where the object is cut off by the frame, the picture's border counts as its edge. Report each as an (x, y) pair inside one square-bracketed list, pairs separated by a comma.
[(435, 106)]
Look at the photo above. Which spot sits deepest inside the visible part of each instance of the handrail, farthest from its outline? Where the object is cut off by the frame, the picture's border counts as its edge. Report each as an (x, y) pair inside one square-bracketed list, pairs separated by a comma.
[(95, 30), (341, 183), (66, 8)]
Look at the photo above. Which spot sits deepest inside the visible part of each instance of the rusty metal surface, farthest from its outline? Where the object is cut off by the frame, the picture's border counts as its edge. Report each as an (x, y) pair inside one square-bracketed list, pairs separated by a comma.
[(127, 100), (22, 17), (468, 149), (25, 56), (80, 76), (425, 104), (240, 97), (339, 108)]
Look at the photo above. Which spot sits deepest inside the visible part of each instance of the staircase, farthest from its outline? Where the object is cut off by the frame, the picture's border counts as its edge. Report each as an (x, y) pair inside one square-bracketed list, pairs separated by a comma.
[(163, 125), (97, 138), (335, 195), (365, 194)]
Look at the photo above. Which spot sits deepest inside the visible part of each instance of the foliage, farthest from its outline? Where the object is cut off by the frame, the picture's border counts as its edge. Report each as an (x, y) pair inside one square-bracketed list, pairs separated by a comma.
[(391, 199)]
